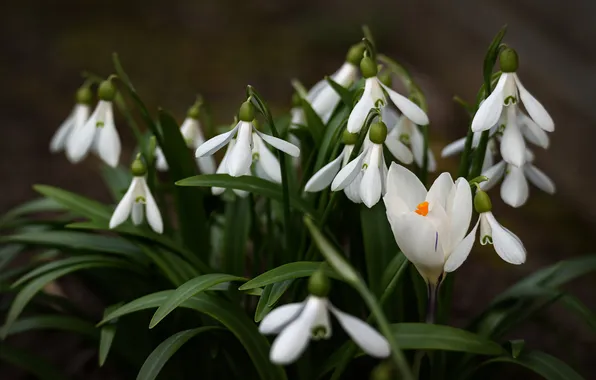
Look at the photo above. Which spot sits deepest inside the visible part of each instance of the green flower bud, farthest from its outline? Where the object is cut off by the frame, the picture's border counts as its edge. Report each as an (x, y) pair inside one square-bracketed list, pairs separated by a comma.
[(482, 202), (137, 168), (319, 284), (386, 78), (194, 112), (355, 54), (247, 111), (508, 60), (84, 95), (378, 132), (296, 100), (349, 138), (106, 91), (383, 371), (368, 67)]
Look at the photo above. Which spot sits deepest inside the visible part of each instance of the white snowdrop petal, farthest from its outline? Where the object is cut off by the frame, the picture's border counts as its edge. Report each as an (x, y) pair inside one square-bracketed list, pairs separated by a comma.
[(223, 168), (514, 190), (507, 245), (432, 162), (160, 160), (216, 143), (280, 144), (417, 145), (461, 251), (370, 186), (539, 179), (348, 173), (489, 159), (240, 158), (532, 132), (346, 74), (391, 118), (124, 208), (323, 178), (361, 109), (81, 139), (399, 150), (489, 111), (494, 175), (513, 145), (60, 138), (459, 210), (279, 317), (153, 214), (407, 107), (108, 141), (404, 184), (366, 337), (455, 147), (352, 191), (206, 164), (267, 161), (137, 213), (536, 110)]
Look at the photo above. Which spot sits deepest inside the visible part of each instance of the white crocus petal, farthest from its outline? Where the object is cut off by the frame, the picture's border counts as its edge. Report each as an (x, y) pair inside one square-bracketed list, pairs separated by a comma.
[(513, 146), (278, 318), (539, 179), (398, 149), (348, 173), (536, 110), (267, 161), (532, 132), (60, 138), (108, 142), (124, 208), (362, 108), (371, 187), (280, 144), (440, 190), (490, 110), (459, 210), (216, 143), (82, 138), (417, 238), (514, 190), (404, 184), (137, 213), (323, 178), (407, 107), (363, 334), (494, 175), (507, 245), (455, 147), (152, 211), (293, 339), (461, 251), (352, 191), (240, 158)]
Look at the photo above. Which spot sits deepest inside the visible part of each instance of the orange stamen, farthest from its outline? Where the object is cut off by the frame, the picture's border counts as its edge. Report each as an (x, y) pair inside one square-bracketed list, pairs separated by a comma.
[(422, 209)]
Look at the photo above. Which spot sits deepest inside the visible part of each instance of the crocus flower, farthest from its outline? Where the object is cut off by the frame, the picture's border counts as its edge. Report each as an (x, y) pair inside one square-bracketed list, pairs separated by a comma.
[(76, 119), (136, 201)]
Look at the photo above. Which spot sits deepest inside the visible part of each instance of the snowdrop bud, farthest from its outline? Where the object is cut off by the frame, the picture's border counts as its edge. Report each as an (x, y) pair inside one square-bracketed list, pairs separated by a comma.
[(508, 60), (194, 112), (84, 95), (137, 168), (378, 132), (106, 91), (383, 371), (368, 67), (355, 54), (386, 78), (296, 100), (247, 111), (319, 284), (349, 138), (482, 202)]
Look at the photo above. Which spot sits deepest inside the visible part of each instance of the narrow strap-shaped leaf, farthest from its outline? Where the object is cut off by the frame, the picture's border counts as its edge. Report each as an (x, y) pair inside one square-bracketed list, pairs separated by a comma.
[(288, 271), (107, 335), (53, 322), (31, 207), (262, 306), (75, 203), (316, 127), (236, 230), (31, 363)]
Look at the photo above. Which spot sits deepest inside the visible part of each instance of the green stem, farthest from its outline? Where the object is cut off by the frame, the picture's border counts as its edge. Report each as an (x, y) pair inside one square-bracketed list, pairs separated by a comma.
[(464, 164), (479, 156)]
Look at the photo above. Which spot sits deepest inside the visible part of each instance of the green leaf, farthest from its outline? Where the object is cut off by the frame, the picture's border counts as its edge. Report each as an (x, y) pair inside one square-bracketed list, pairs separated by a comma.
[(8, 253), (236, 230), (262, 306), (288, 271), (188, 290), (107, 335), (251, 184), (76, 203), (347, 97), (425, 336), (333, 132), (30, 363), (162, 353), (491, 58), (278, 290), (316, 127), (31, 207), (52, 322), (227, 313), (32, 288)]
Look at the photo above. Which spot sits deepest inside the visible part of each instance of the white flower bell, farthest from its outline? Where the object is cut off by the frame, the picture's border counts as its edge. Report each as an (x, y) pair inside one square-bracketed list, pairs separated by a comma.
[(375, 92), (324, 176), (192, 134), (76, 119), (298, 323), (239, 158), (136, 201), (98, 132), (430, 227)]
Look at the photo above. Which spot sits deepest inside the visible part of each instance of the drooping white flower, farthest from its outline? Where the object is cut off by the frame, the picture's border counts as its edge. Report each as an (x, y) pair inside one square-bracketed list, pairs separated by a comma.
[(515, 190), (137, 201), (239, 159), (324, 176), (298, 323), (458, 146), (191, 131), (374, 93), (98, 132), (223, 169), (430, 226), (507, 245), (76, 119)]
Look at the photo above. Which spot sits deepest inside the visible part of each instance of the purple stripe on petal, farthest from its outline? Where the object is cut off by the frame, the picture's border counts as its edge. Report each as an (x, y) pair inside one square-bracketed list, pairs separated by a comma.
[(436, 240)]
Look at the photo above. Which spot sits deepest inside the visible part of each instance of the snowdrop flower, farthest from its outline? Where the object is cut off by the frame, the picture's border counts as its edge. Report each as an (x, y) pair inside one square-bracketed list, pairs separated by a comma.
[(75, 120), (98, 132), (458, 146), (239, 158), (363, 178), (191, 131), (375, 92), (137, 199), (409, 135), (323, 97), (507, 245), (430, 226), (298, 323), (515, 189), (324, 177)]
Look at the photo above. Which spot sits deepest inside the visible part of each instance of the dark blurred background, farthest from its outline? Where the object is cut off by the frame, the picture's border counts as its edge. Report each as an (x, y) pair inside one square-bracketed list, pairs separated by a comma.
[(175, 49)]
